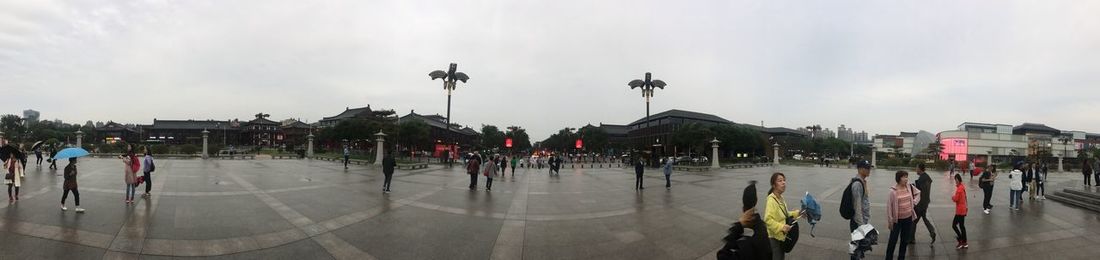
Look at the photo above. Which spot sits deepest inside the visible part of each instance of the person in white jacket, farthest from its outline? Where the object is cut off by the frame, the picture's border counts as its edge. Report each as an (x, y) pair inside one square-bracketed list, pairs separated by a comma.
[(1016, 184)]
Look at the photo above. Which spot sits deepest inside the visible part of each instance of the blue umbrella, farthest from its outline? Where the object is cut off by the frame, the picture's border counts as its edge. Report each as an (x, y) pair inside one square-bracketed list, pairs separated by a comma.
[(813, 211), (70, 153)]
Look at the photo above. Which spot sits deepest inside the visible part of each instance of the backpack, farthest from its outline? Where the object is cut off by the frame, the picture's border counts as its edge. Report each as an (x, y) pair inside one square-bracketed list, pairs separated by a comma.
[(847, 210), (152, 166)]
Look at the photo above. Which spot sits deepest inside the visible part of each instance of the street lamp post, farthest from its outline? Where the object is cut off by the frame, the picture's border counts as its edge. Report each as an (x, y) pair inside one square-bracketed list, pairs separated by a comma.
[(1065, 142), (450, 78), (647, 85)]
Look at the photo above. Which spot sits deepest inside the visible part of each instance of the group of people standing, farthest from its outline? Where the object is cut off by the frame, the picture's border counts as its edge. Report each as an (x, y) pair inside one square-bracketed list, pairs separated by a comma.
[(1030, 177), (489, 166), (906, 206)]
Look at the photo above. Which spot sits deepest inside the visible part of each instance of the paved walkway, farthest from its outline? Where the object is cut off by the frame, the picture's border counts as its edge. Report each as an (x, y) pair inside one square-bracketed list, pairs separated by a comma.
[(300, 209)]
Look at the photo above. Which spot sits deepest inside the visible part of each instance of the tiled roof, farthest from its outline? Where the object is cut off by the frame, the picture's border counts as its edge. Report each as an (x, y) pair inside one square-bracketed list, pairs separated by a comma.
[(683, 114), (191, 124)]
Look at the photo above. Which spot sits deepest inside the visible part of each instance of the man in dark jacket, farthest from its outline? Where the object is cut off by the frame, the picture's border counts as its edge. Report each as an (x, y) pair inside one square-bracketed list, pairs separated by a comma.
[(924, 184), (639, 168), (739, 244), (388, 163)]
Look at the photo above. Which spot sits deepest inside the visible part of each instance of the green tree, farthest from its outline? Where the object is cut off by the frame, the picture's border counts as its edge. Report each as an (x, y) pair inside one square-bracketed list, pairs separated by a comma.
[(563, 140), (594, 138), (414, 134), (13, 128), (491, 137), (520, 140), (691, 137)]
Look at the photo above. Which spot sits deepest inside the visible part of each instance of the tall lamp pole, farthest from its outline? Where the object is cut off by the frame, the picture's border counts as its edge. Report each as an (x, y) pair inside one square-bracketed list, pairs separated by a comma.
[(450, 78), (647, 85)]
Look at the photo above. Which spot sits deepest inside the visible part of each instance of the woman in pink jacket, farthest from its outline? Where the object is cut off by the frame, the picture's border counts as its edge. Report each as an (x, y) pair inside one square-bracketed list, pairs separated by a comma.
[(900, 214), (959, 224)]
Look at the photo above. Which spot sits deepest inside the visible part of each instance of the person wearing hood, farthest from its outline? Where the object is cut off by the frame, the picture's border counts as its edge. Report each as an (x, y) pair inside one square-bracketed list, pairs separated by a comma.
[(748, 237)]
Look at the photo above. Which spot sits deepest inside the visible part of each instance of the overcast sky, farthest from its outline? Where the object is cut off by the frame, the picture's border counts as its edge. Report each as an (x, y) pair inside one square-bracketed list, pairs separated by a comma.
[(879, 66)]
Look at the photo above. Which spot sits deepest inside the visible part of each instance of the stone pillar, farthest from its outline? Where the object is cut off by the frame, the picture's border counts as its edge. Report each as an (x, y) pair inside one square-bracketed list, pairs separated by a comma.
[(874, 154), (309, 147), (775, 154), (714, 154), (79, 138), (1060, 168), (379, 148), (205, 145)]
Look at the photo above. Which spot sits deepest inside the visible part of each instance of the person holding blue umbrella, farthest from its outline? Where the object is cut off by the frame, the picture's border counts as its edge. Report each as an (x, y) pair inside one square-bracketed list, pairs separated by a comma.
[(70, 176)]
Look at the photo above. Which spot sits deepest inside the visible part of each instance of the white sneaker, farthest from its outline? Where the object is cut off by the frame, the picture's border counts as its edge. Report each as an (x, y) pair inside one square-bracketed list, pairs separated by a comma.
[(986, 211), (79, 210), (63, 208)]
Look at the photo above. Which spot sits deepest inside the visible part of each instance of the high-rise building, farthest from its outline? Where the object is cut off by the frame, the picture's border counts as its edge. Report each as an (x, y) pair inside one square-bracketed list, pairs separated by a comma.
[(30, 116)]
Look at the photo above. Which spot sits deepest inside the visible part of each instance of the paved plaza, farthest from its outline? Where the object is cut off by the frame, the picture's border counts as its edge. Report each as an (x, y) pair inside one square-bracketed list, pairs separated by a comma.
[(302, 209)]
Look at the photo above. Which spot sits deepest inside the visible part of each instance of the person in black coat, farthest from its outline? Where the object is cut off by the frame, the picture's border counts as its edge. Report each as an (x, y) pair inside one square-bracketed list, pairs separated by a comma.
[(738, 243), (388, 163), (639, 168)]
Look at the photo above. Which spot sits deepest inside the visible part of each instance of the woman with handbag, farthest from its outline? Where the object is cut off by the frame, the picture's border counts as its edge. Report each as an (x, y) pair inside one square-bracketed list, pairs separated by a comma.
[(900, 213), (776, 216), (13, 178)]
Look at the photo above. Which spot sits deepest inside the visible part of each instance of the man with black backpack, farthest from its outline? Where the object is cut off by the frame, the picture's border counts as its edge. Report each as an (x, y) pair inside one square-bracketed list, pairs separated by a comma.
[(855, 205)]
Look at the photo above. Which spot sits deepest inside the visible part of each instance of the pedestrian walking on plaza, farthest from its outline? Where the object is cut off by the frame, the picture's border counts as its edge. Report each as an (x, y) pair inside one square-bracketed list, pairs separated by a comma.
[(972, 170), (388, 164), (986, 183), (53, 152), (900, 213), (777, 217), (639, 169), (924, 184), (668, 174), (959, 223), (14, 177), (38, 156), (347, 156), (951, 164), (515, 160), (747, 245), (504, 166), (1040, 180), (147, 173), (130, 167), (557, 165), (70, 186), (1029, 176), (473, 166), (1086, 170), (1016, 187), (855, 205), (1096, 171), (489, 168)]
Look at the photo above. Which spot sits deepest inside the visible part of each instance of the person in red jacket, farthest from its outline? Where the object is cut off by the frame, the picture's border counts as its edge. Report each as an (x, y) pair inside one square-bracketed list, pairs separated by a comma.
[(959, 224)]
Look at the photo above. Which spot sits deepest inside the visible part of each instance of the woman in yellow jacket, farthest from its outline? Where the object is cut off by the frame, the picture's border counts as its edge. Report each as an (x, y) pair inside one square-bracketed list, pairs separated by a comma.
[(776, 214)]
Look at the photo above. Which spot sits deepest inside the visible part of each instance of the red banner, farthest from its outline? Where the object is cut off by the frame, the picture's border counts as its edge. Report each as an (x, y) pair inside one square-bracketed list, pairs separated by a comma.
[(508, 142), (580, 144)]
